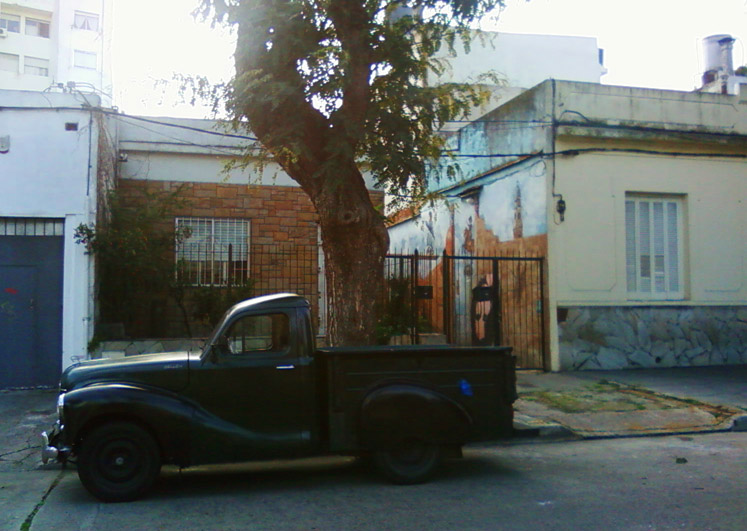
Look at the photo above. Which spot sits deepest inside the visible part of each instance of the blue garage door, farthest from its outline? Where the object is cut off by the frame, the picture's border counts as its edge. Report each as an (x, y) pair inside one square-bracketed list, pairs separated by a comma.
[(31, 267)]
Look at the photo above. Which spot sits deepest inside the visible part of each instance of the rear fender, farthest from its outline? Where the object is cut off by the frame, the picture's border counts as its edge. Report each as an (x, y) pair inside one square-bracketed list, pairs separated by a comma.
[(164, 414), (400, 411)]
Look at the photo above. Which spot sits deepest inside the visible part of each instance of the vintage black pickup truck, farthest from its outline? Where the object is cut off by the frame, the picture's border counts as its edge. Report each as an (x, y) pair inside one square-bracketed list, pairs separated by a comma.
[(260, 390)]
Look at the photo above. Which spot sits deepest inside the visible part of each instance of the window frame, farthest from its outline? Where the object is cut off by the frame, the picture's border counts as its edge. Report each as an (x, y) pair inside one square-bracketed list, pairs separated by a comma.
[(39, 24), (27, 66), (86, 17), (216, 267), (661, 233), (17, 60), (275, 318), (85, 53), (6, 17)]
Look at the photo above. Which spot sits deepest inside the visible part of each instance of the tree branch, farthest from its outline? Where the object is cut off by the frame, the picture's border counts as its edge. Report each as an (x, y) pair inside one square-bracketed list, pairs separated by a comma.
[(353, 24), (270, 91)]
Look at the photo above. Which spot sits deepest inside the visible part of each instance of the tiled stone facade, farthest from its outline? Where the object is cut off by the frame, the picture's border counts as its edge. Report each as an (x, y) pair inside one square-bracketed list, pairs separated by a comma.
[(642, 337)]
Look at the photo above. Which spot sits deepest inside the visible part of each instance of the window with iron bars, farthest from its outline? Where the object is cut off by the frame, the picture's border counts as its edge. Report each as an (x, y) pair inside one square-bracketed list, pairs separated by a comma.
[(211, 251)]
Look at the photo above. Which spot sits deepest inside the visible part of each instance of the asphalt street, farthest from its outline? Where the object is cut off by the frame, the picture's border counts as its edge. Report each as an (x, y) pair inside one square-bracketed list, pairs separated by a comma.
[(673, 482), (678, 481)]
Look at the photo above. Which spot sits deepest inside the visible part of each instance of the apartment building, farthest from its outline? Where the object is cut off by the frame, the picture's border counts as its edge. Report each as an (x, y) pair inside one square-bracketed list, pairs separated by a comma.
[(56, 44)]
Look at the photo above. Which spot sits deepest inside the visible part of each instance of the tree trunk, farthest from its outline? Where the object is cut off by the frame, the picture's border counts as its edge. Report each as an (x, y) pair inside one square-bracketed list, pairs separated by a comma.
[(355, 245)]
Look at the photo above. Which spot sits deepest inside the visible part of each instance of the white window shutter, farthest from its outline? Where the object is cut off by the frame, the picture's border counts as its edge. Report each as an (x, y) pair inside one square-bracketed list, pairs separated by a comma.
[(673, 245), (631, 252)]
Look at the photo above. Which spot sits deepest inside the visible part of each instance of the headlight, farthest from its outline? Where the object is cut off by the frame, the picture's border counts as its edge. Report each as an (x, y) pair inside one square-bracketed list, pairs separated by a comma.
[(60, 405)]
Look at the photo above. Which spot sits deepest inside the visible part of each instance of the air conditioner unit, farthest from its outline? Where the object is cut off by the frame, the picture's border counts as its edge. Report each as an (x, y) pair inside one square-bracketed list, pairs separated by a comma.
[(3, 32)]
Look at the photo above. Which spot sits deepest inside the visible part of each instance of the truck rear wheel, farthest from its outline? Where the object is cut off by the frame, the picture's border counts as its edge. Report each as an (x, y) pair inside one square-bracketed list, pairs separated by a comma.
[(118, 461), (408, 462)]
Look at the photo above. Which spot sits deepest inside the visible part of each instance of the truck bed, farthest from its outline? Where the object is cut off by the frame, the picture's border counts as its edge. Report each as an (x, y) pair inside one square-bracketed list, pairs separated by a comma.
[(481, 379)]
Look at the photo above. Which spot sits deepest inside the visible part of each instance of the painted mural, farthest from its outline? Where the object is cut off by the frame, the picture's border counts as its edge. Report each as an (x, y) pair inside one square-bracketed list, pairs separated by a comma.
[(491, 301)]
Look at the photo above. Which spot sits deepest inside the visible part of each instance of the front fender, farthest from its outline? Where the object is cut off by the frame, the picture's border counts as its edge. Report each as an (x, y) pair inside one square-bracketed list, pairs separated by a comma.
[(164, 414), (400, 411)]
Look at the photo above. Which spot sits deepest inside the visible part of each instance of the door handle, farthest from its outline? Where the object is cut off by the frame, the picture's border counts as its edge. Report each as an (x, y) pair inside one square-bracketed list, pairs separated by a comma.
[(285, 367)]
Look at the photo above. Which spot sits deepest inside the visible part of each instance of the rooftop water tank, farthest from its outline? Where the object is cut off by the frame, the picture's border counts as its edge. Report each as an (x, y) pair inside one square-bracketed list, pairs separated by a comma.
[(717, 54)]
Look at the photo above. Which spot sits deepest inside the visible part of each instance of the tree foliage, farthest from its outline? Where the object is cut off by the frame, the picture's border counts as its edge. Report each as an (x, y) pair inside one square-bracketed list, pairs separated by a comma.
[(337, 88), (352, 72), (134, 252)]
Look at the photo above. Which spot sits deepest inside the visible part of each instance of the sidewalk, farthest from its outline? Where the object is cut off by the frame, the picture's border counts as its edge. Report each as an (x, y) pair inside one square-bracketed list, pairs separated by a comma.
[(591, 404)]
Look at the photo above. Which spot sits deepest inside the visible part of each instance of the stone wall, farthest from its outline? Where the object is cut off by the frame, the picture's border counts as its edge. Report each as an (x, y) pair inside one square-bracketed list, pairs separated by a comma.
[(644, 337)]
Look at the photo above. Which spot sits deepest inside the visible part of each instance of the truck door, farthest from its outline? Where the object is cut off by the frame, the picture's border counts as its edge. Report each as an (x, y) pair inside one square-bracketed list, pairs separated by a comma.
[(258, 384)]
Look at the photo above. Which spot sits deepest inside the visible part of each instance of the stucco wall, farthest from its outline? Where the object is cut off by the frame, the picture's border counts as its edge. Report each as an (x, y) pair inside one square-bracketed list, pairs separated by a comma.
[(590, 243), (50, 172), (505, 206), (523, 60), (504, 136)]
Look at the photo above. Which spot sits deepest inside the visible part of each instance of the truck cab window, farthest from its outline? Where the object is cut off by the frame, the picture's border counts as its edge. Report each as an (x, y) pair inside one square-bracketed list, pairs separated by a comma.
[(258, 333)]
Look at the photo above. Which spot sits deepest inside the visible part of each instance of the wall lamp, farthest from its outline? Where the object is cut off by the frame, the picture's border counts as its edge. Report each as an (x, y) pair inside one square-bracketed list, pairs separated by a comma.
[(560, 207)]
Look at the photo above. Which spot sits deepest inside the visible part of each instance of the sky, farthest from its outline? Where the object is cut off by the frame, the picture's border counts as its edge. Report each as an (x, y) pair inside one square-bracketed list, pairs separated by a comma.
[(647, 43)]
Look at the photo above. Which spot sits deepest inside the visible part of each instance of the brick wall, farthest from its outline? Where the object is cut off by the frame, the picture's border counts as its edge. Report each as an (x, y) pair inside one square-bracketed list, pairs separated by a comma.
[(277, 213), (283, 253)]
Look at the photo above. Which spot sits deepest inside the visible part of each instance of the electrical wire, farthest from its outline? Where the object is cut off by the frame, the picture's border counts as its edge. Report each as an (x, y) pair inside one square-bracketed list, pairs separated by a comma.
[(182, 142), (574, 152), (118, 114), (121, 115)]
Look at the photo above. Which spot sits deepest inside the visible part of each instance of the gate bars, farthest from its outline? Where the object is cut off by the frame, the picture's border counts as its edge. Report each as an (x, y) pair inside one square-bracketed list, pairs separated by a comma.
[(467, 300)]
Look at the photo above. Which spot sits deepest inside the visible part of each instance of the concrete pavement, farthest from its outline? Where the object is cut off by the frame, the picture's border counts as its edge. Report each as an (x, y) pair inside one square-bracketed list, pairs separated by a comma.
[(592, 404), (23, 480)]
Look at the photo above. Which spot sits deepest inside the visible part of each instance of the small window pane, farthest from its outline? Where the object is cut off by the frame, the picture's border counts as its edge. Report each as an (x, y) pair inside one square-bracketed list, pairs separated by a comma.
[(86, 21), (31, 227), (9, 62), (212, 252), (36, 66), (11, 23), (37, 28), (85, 59), (258, 333)]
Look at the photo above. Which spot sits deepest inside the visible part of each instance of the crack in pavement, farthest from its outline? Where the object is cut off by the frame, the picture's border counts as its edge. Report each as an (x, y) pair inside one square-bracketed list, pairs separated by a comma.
[(26, 525)]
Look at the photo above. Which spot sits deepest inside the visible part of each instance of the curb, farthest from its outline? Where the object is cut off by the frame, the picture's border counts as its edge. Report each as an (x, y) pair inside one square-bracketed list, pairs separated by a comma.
[(532, 427), (526, 426)]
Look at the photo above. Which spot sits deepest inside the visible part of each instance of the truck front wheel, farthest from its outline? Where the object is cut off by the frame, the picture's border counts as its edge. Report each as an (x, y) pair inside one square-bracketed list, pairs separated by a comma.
[(118, 461), (408, 462)]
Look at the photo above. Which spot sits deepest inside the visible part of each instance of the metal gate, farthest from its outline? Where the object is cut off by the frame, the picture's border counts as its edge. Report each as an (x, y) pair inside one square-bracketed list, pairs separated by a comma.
[(31, 269), (467, 300)]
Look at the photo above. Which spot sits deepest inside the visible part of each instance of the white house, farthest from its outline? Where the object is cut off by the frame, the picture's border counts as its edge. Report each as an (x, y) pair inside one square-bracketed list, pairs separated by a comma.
[(55, 163), (636, 199)]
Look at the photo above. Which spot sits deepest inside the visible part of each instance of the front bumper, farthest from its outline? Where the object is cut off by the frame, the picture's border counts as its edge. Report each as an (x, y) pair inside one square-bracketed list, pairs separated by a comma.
[(52, 450)]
